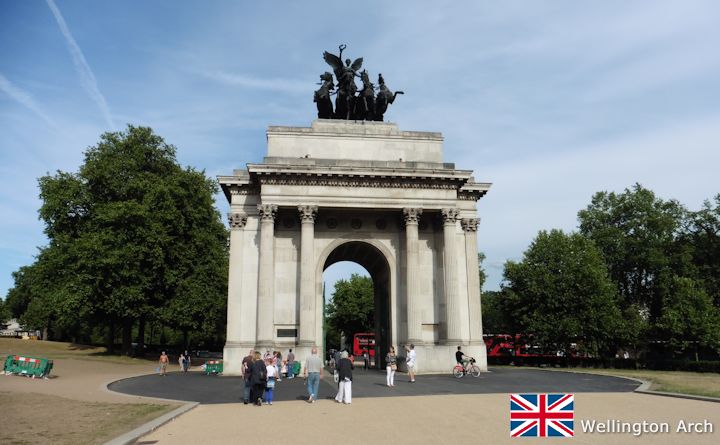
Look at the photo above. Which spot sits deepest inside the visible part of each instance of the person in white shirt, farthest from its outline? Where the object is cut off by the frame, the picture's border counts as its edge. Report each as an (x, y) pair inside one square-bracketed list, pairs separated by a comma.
[(271, 378), (410, 361)]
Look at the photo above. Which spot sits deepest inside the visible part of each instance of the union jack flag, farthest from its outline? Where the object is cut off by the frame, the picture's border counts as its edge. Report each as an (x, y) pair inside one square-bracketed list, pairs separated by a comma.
[(542, 415)]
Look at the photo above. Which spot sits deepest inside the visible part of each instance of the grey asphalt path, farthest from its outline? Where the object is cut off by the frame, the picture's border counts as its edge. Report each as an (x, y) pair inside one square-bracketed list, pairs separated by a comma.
[(198, 387)]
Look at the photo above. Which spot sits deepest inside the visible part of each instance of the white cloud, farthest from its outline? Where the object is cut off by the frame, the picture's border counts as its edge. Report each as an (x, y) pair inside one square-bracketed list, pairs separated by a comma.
[(24, 98), (87, 78), (259, 83)]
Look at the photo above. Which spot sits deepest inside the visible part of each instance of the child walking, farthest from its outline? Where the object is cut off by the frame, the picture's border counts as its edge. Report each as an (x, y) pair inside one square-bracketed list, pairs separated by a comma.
[(271, 378)]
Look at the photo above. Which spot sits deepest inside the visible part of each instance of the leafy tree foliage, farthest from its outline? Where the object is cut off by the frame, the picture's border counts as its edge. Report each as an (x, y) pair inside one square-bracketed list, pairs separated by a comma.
[(496, 318), (561, 292), (703, 237), (689, 319), (637, 232), (351, 309), (133, 237)]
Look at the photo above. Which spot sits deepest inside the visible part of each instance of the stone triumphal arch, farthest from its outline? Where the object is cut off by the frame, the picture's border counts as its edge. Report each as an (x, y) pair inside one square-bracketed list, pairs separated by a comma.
[(354, 191)]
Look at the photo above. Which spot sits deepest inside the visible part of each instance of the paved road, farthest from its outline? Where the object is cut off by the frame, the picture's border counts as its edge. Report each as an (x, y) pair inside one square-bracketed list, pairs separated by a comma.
[(197, 387)]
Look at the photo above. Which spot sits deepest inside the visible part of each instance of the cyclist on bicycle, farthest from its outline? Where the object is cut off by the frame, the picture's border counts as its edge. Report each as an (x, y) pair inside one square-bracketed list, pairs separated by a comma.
[(462, 359)]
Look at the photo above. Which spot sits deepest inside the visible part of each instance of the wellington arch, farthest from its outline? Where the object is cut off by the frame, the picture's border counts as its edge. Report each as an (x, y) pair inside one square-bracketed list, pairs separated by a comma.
[(354, 191)]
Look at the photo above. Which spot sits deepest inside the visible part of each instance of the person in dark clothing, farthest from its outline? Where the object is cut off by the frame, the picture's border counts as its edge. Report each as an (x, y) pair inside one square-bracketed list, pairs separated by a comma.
[(461, 358), (247, 373), (258, 377), (345, 368)]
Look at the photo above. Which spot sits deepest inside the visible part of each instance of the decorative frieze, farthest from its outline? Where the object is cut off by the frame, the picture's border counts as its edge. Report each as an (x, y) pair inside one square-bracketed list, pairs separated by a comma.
[(307, 213), (412, 215), (449, 215), (357, 181), (464, 195), (235, 190), (267, 211), (237, 220), (470, 224)]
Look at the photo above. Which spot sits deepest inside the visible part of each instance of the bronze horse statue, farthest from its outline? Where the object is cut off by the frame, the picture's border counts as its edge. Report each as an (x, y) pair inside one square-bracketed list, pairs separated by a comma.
[(384, 98), (322, 96), (365, 103)]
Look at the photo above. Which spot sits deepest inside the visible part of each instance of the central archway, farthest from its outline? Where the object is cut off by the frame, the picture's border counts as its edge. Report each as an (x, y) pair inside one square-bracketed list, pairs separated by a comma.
[(374, 258)]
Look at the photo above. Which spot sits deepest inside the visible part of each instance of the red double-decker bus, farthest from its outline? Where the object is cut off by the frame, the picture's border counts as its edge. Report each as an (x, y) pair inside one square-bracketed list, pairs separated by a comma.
[(364, 341)]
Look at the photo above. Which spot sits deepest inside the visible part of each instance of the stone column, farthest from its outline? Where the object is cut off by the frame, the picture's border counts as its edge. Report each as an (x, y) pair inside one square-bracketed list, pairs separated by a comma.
[(237, 222), (307, 276), (470, 226), (453, 305), (266, 276), (414, 322)]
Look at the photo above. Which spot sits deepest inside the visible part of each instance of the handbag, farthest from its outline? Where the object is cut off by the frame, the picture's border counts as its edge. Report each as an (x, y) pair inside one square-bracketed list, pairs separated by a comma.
[(270, 384), (393, 366)]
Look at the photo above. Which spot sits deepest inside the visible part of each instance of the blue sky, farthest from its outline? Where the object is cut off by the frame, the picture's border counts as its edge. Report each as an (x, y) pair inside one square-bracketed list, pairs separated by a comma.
[(550, 101)]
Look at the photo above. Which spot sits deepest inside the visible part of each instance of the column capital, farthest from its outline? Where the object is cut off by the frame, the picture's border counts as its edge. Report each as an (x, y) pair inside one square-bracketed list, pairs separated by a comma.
[(411, 215), (307, 213), (267, 211), (236, 220), (470, 224), (449, 215)]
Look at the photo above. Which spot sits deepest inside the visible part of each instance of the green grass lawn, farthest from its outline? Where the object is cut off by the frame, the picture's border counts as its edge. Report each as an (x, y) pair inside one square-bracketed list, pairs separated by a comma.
[(55, 350), (695, 383)]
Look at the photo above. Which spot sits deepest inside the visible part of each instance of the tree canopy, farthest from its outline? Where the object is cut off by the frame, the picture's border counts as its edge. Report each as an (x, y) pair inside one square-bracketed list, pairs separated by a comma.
[(133, 237), (561, 292), (351, 309)]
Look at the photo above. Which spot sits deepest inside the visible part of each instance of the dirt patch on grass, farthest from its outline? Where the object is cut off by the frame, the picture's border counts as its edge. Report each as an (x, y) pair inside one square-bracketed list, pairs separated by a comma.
[(44, 419)]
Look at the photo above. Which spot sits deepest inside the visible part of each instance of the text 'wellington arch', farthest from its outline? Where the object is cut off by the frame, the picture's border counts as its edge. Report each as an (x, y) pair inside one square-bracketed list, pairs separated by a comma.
[(354, 191)]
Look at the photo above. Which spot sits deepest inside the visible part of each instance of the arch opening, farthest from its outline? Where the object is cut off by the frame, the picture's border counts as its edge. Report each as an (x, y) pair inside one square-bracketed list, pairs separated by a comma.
[(377, 266)]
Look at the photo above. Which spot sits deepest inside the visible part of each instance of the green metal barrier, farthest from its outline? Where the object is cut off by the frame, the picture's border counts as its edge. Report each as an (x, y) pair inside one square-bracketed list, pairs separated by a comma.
[(213, 367), (28, 366)]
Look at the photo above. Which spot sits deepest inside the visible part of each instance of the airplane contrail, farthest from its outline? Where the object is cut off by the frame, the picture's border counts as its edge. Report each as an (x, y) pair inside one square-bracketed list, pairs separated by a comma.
[(22, 97), (87, 78)]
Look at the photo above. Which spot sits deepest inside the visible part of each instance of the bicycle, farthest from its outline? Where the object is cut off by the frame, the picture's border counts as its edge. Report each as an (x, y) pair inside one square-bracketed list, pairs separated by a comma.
[(470, 367)]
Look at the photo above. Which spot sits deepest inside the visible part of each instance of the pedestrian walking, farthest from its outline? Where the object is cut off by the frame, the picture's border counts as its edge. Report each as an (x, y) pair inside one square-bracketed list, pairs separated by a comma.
[(366, 359), (186, 362), (247, 373), (181, 362), (411, 361), (163, 362), (391, 367), (278, 363), (290, 365), (313, 373), (258, 378), (271, 371), (345, 367)]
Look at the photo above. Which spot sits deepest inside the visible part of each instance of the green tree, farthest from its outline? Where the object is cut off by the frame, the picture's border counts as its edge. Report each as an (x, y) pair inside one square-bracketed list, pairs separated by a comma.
[(703, 237), (637, 233), (561, 293), (135, 237), (481, 272), (5, 313), (689, 319), (351, 309), (495, 317)]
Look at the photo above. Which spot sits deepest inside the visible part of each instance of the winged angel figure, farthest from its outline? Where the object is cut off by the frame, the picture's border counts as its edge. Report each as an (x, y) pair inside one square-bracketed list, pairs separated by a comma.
[(345, 75)]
